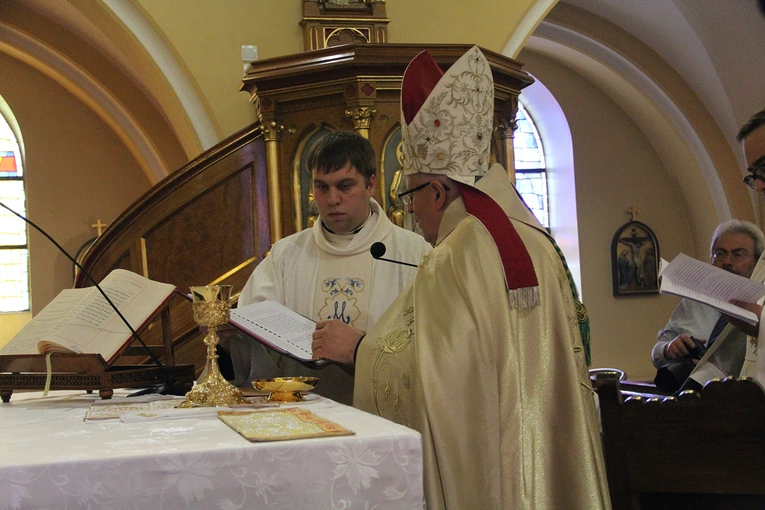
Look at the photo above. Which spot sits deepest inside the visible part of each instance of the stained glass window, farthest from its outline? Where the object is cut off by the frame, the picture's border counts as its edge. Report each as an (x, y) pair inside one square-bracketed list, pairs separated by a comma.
[(14, 252), (530, 172)]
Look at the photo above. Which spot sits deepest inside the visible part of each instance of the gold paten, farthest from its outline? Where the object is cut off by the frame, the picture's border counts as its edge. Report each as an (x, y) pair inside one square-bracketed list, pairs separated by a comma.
[(211, 309), (285, 389)]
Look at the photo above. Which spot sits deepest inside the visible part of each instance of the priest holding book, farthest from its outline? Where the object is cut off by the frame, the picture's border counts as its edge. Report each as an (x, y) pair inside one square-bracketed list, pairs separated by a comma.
[(326, 272)]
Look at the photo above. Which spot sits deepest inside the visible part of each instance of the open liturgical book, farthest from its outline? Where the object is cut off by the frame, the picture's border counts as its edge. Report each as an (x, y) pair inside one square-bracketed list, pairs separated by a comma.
[(699, 281), (81, 320), (279, 328)]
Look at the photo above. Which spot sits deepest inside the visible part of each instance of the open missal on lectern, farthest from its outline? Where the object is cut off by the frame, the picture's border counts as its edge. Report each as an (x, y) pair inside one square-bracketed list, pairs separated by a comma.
[(278, 327), (699, 281), (81, 320)]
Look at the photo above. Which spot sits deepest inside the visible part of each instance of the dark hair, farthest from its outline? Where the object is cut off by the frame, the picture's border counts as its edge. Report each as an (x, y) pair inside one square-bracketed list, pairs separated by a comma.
[(339, 148), (755, 121)]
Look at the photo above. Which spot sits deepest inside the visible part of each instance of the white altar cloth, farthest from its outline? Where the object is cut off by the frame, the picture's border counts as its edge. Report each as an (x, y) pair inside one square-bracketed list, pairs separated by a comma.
[(51, 458)]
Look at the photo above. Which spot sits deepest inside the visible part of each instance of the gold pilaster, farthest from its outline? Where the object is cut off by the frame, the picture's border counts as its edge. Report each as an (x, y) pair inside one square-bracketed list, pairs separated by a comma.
[(506, 126), (271, 132)]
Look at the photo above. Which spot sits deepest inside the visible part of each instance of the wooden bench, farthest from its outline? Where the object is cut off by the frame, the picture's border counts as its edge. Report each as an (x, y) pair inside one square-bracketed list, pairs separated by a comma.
[(698, 450)]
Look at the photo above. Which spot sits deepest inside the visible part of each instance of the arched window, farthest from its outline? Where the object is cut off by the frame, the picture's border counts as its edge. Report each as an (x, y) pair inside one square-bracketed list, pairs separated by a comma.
[(530, 169), (14, 252)]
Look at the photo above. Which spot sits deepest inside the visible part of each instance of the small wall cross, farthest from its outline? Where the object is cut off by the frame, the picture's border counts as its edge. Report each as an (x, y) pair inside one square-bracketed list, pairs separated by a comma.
[(99, 226), (634, 212)]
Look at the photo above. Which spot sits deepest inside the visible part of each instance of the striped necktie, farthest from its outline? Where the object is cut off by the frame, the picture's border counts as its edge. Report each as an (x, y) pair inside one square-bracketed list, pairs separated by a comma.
[(719, 326)]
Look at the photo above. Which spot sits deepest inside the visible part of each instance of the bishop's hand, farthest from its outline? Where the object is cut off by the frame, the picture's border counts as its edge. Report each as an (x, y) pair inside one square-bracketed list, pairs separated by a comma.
[(335, 340)]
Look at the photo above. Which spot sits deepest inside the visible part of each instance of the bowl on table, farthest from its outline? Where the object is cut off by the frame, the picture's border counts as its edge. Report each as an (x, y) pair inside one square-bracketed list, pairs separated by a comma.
[(285, 389)]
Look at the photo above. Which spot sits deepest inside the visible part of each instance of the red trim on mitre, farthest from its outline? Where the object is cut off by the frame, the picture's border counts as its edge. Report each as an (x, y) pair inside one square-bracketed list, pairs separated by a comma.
[(420, 78), (519, 270)]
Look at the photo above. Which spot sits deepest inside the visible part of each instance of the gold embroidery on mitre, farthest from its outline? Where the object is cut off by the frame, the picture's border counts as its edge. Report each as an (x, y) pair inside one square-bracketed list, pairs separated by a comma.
[(449, 134)]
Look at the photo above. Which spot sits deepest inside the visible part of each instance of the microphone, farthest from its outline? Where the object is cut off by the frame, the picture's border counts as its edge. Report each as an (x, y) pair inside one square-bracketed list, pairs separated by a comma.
[(170, 387), (378, 249)]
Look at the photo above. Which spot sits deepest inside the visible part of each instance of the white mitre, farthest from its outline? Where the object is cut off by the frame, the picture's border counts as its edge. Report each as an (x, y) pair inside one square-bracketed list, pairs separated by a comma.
[(447, 118)]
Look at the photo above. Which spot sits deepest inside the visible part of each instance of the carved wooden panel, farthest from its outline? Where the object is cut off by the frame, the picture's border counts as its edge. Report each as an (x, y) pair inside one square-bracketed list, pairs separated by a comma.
[(206, 223)]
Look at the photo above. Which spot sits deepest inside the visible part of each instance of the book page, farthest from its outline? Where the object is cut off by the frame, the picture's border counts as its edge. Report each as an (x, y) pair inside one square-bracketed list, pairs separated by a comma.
[(705, 283), (90, 324), (277, 326), (26, 340)]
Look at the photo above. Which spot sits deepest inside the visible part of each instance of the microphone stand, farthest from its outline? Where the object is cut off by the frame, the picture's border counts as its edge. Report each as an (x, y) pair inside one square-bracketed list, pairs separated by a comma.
[(170, 386)]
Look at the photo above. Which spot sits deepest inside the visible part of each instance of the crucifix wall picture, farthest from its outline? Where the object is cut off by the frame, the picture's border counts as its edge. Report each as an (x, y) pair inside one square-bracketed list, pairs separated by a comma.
[(635, 258)]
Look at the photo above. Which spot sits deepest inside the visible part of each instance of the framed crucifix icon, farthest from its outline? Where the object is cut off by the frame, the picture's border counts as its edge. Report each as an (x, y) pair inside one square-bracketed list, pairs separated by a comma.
[(635, 259)]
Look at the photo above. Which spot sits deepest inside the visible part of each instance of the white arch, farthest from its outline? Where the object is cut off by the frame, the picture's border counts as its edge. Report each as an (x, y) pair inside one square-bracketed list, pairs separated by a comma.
[(631, 77), (670, 132), (554, 131), (80, 84), (168, 64)]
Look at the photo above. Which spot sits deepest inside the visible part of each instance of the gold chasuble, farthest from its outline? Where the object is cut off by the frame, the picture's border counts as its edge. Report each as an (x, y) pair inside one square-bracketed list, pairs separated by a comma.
[(500, 393)]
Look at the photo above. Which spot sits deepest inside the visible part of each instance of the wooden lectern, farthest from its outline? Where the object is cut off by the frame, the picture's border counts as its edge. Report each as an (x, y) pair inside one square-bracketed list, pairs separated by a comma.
[(91, 372)]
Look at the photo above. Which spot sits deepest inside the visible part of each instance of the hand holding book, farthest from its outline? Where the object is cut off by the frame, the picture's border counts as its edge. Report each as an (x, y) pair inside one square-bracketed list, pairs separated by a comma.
[(749, 329), (278, 327), (727, 292)]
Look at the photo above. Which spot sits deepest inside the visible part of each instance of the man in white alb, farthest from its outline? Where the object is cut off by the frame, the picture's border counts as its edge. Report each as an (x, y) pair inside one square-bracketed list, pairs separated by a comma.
[(326, 273)]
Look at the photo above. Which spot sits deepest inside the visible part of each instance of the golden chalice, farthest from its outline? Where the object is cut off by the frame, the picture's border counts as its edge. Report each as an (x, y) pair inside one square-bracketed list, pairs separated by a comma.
[(211, 309)]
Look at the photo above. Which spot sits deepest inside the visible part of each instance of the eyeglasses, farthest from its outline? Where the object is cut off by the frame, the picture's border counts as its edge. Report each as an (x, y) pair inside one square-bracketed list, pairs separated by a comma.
[(749, 180), (406, 196), (736, 256), (754, 175)]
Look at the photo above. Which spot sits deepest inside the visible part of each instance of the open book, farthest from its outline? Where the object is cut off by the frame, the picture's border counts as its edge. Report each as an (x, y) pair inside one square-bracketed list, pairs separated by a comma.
[(279, 328), (699, 281), (81, 320)]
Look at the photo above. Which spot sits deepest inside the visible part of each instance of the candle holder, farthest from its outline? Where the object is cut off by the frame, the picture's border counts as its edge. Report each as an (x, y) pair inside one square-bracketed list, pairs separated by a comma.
[(211, 308)]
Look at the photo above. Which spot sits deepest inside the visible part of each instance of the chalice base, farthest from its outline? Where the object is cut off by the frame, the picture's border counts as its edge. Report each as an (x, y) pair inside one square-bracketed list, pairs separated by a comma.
[(214, 390)]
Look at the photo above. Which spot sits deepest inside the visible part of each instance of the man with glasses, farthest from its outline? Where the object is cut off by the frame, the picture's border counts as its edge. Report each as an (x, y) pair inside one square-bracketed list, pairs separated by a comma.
[(752, 138), (736, 247), (326, 272), (482, 353)]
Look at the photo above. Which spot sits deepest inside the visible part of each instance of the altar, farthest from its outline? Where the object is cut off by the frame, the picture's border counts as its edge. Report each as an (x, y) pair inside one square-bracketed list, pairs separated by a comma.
[(50, 457)]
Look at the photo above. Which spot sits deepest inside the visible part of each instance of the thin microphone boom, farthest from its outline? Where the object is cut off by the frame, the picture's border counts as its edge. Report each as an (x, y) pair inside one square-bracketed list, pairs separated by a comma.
[(378, 249), (169, 380)]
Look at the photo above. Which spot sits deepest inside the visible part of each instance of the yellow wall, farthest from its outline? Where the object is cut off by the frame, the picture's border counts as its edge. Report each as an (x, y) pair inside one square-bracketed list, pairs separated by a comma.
[(616, 167), (11, 323), (208, 35)]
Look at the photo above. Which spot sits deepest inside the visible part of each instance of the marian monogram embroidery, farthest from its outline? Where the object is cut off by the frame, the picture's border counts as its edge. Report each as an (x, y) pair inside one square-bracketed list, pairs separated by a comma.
[(340, 302)]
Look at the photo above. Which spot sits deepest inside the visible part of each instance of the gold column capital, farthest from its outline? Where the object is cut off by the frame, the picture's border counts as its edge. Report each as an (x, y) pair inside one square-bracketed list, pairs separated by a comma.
[(271, 130), (362, 117)]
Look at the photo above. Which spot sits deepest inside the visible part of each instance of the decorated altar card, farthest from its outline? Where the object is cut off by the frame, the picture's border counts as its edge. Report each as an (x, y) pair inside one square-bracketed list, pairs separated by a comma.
[(106, 410), (281, 424)]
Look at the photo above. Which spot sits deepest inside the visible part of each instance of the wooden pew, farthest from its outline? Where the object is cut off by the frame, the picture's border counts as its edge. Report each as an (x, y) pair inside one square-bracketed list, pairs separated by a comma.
[(698, 450)]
